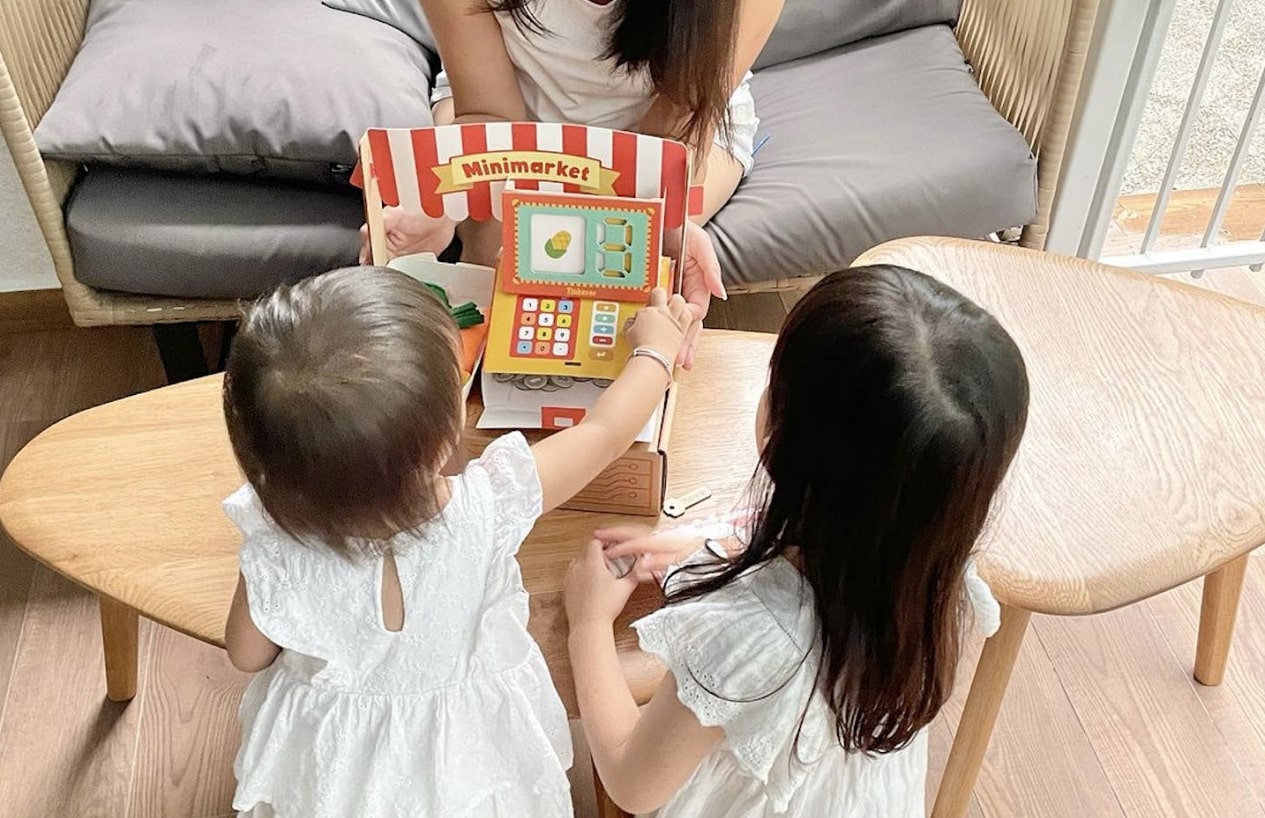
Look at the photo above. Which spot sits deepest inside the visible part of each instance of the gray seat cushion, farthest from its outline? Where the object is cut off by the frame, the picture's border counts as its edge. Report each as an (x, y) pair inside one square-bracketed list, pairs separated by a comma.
[(881, 139), (216, 237)]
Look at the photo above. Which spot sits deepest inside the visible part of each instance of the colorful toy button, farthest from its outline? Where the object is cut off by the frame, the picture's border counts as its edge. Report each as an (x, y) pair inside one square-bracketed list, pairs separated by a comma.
[(547, 305), (524, 348), (530, 305), (542, 347), (606, 306), (526, 333), (562, 334), (603, 340), (546, 319), (566, 306), (544, 334), (561, 350), (564, 320), (604, 329), (528, 318)]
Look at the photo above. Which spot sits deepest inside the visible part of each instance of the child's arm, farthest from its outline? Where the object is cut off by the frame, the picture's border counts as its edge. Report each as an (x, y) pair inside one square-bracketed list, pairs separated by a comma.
[(248, 649), (642, 757), (568, 460)]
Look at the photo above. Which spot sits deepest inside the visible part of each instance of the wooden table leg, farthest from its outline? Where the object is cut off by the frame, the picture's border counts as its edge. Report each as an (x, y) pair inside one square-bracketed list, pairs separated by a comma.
[(120, 636), (1216, 620), (606, 808), (992, 675)]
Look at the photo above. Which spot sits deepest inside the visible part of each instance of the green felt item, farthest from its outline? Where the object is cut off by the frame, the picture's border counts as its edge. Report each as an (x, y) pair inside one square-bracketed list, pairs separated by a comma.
[(466, 315)]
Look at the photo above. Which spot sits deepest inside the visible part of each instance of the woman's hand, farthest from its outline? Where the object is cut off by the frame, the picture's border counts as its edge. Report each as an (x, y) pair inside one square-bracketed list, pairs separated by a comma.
[(593, 595), (700, 280), (655, 552), (662, 325), (409, 232)]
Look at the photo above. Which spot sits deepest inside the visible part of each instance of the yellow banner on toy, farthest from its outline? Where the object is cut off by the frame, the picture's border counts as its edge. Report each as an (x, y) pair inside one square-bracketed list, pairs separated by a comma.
[(463, 172)]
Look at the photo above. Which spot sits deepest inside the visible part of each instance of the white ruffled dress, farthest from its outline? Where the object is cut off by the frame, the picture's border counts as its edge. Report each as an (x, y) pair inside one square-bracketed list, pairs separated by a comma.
[(744, 660), (453, 716)]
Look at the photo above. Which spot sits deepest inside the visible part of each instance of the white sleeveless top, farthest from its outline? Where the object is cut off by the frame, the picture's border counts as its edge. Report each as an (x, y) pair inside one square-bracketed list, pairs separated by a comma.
[(564, 73), (565, 76), (455, 715)]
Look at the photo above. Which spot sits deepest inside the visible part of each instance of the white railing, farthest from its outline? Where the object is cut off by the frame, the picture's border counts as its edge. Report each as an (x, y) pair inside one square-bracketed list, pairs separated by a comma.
[(1120, 70)]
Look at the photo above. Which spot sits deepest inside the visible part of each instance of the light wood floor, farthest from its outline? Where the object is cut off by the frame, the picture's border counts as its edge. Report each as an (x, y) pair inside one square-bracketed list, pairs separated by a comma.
[(1102, 718)]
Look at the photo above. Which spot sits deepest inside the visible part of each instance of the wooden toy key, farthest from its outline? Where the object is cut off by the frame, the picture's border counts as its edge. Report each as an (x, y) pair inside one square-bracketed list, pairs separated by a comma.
[(677, 506)]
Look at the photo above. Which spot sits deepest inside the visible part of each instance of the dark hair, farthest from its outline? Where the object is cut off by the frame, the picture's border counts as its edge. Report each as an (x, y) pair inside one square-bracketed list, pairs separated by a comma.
[(895, 406), (686, 45), (342, 396)]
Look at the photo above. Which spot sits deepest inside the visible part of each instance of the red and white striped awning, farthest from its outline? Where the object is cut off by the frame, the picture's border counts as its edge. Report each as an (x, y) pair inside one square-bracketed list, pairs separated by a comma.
[(412, 166)]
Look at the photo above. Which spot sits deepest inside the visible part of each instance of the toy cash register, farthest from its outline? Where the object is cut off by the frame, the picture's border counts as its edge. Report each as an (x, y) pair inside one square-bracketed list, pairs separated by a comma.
[(573, 270), (586, 216)]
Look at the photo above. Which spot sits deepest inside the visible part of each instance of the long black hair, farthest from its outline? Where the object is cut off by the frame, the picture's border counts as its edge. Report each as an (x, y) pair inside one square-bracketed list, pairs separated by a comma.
[(894, 408), (686, 45)]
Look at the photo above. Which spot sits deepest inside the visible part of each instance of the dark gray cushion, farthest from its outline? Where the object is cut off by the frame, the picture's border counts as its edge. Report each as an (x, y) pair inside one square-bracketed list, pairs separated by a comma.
[(883, 139), (162, 234), (282, 88), (809, 27)]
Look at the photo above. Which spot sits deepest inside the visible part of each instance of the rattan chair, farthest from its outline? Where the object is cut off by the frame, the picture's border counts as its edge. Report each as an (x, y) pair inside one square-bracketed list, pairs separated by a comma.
[(1027, 54)]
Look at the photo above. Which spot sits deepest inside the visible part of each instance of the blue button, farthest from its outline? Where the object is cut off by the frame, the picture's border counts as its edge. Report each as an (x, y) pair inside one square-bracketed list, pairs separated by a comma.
[(604, 318), (604, 330), (524, 347), (565, 306)]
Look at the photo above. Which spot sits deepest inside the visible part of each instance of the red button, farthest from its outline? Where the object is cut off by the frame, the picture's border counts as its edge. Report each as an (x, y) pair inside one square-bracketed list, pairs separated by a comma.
[(602, 340)]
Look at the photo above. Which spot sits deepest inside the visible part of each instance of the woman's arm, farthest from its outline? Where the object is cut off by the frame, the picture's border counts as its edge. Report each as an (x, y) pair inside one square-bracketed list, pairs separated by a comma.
[(479, 70), (248, 649), (642, 756), (756, 19)]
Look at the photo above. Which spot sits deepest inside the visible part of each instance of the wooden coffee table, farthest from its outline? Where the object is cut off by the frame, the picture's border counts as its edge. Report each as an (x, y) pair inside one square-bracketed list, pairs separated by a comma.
[(124, 499)]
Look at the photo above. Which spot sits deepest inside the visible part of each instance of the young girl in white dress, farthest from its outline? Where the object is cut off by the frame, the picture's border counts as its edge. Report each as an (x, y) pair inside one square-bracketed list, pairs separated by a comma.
[(379, 601), (806, 663)]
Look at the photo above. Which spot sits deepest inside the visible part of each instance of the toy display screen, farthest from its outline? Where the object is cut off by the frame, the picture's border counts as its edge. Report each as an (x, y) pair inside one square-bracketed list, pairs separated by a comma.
[(596, 246)]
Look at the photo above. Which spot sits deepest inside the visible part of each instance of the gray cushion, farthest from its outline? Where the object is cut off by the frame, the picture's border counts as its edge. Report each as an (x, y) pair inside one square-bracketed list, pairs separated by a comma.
[(883, 139), (283, 87), (809, 27), (403, 15), (161, 234)]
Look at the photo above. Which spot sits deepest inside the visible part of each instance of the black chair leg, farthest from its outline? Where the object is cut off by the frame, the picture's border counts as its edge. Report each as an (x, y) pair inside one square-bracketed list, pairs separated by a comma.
[(181, 351)]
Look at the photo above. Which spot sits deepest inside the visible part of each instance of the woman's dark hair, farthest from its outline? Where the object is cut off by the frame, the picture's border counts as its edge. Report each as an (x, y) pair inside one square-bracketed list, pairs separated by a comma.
[(686, 45), (895, 406), (342, 396)]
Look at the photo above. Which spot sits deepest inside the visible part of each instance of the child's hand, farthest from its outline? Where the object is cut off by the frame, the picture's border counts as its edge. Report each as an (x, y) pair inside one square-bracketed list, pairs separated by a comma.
[(593, 594), (655, 552), (409, 232), (661, 326)]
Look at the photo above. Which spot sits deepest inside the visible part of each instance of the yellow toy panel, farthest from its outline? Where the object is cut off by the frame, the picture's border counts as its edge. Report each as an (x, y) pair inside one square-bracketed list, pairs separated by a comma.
[(573, 270), (532, 334)]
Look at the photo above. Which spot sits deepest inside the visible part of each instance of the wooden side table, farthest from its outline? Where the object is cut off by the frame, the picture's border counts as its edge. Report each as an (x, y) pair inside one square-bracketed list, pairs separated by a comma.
[(1143, 466)]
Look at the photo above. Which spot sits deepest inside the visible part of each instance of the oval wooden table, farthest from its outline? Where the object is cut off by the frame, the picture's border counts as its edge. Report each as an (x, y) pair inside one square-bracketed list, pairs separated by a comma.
[(1143, 465), (1143, 468), (124, 499)]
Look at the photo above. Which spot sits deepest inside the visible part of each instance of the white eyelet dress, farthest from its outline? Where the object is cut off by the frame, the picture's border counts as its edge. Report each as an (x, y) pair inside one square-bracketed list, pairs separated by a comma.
[(453, 716), (745, 659)]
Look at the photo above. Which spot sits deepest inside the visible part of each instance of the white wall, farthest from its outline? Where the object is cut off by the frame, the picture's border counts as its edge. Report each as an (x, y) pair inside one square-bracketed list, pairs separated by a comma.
[(24, 261)]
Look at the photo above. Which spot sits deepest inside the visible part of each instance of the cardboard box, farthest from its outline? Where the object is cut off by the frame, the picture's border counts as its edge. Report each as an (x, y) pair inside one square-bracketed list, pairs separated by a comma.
[(634, 484)]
